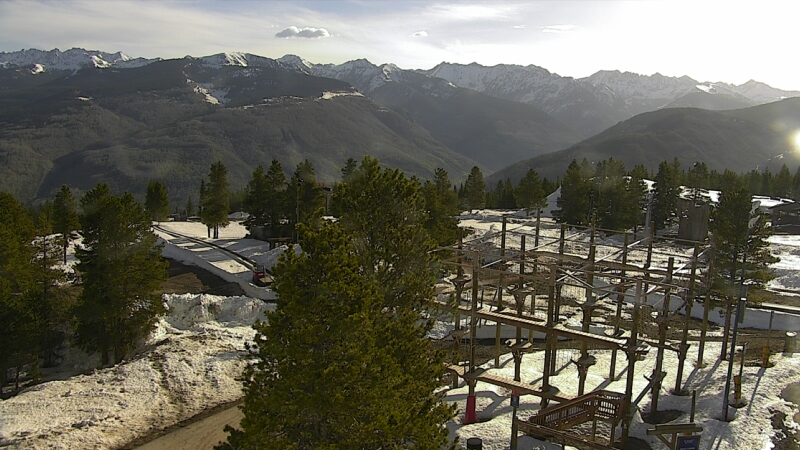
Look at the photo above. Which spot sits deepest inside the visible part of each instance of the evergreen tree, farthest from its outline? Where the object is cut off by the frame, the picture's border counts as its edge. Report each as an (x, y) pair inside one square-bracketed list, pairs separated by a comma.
[(639, 195), (19, 330), (575, 198), (796, 184), (752, 181), (156, 201), (736, 237), (782, 183), (255, 200), (665, 194), (766, 183), (529, 193), (215, 199), (615, 204), (698, 176), (52, 304), (474, 189), (328, 374), (265, 199), (385, 213), (189, 207), (349, 168), (305, 195), (506, 199), (65, 216), (121, 270), (441, 204)]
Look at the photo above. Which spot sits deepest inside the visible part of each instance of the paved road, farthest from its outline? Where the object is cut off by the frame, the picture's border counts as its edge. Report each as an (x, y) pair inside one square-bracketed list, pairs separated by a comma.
[(201, 435)]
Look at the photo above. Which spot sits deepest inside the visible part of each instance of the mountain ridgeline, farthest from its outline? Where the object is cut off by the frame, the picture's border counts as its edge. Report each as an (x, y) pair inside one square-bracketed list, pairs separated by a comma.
[(759, 137), (78, 117)]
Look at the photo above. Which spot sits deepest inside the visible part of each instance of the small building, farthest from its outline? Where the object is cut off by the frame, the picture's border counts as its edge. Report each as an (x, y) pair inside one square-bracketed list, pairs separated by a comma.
[(786, 217), (693, 215)]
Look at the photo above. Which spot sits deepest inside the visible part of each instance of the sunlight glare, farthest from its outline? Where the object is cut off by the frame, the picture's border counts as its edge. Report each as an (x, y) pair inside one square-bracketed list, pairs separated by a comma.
[(796, 140)]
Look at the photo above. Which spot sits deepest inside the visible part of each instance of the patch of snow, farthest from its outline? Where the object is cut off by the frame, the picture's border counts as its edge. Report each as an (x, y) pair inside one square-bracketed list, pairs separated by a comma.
[(330, 95)]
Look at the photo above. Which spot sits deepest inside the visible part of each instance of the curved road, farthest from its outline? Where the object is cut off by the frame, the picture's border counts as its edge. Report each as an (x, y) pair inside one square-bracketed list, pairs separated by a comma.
[(201, 435)]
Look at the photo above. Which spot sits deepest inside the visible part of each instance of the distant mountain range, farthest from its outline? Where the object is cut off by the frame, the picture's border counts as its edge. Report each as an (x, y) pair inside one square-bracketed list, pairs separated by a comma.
[(127, 120), (758, 137)]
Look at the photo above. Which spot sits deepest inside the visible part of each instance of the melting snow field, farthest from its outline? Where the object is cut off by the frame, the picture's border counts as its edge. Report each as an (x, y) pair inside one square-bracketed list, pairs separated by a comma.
[(192, 361)]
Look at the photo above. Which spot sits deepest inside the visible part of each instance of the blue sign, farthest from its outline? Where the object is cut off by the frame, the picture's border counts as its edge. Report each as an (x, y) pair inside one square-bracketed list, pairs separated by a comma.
[(515, 401), (688, 442)]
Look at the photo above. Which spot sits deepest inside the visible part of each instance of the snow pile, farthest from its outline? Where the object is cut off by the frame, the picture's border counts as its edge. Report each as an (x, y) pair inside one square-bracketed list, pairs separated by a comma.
[(752, 428), (190, 364), (787, 248), (191, 311)]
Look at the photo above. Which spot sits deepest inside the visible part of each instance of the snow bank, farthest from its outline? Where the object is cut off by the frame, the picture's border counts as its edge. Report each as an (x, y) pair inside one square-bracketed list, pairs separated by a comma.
[(191, 363), (751, 430)]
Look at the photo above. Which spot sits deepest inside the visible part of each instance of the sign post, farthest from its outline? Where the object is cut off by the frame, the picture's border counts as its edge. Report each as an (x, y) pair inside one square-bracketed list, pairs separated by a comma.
[(688, 442), (514, 405)]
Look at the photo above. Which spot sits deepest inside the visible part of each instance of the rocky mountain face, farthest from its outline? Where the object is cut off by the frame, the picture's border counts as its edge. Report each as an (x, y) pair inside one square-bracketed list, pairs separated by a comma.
[(72, 59), (170, 120), (130, 119), (599, 101), (587, 108), (492, 131)]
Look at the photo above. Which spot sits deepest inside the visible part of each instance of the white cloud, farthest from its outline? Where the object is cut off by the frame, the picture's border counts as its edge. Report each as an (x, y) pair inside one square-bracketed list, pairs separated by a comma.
[(519, 27), (307, 32), (558, 28), (422, 33)]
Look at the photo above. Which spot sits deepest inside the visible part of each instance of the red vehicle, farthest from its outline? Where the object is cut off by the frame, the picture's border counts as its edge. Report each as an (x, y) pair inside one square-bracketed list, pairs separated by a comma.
[(261, 277)]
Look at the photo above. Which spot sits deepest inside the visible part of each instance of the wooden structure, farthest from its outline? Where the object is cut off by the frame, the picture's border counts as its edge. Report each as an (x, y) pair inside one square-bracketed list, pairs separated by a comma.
[(673, 430), (571, 273)]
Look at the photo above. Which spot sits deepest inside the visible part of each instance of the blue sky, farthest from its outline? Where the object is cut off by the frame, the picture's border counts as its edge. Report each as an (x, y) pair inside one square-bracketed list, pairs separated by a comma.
[(727, 41)]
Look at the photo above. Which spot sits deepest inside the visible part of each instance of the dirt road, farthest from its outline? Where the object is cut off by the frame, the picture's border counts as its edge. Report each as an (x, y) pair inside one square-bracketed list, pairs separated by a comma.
[(201, 435)]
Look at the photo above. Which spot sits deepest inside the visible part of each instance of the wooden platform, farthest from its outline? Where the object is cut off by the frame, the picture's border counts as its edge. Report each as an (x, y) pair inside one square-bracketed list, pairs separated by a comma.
[(522, 388), (533, 323)]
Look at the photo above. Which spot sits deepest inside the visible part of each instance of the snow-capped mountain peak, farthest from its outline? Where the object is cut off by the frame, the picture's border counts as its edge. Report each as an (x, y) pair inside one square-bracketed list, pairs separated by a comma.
[(72, 59), (296, 62)]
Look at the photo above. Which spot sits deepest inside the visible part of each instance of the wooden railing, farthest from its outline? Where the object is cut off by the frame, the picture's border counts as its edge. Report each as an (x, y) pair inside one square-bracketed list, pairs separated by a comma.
[(598, 405)]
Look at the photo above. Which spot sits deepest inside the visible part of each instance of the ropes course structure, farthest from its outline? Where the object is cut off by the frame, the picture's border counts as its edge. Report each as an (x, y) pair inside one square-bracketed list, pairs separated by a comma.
[(578, 291)]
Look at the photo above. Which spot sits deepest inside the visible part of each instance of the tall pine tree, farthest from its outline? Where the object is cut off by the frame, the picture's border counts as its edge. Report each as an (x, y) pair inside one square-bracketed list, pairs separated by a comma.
[(574, 201), (736, 243), (215, 198), (157, 201), (529, 193), (65, 216), (19, 330), (441, 204), (665, 195), (121, 270), (475, 189), (328, 374)]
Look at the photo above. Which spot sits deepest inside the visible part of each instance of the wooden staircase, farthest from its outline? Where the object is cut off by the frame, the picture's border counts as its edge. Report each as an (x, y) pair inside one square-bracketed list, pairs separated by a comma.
[(600, 405)]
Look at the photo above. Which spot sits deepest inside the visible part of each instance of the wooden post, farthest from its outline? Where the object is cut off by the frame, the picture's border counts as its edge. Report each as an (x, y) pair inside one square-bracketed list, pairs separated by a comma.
[(548, 357), (650, 240), (618, 316), (586, 308), (706, 308), (631, 353), (500, 287), (470, 415), (684, 349), (662, 338), (724, 351)]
